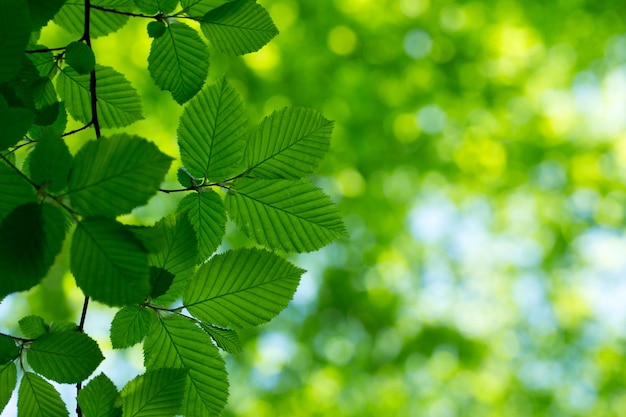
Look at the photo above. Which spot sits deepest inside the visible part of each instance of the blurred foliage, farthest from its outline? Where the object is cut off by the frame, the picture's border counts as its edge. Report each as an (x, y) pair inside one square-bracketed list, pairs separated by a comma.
[(478, 157)]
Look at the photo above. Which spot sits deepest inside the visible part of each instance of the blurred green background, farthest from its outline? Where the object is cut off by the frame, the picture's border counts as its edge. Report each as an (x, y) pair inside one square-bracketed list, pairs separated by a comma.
[(478, 158)]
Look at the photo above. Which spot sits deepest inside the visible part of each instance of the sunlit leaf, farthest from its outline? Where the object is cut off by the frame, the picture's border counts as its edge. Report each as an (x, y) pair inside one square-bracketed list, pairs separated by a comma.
[(118, 103), (241, 288), (157, 393), (175, 342), (33, 326), (211, 133), (207, 214), (238, 27), (225, 339), (112, 176), (108, 262), (71, 17), (293, 216), (99, 398), (179, 61), (129, 326), (36, 397), (198, 8), (289, 143), (156, 6), (68, 357)]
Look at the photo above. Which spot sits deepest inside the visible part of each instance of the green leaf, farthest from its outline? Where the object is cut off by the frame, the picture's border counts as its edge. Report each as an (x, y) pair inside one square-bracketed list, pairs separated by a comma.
[(238, 27), (175, 342), (63, 326), (57, 126), (156, 29), (186, 179), (160, 280), (8, 381), (109, 263), (179, 61), (241, 288), (43, 61), (30, 239), (33, 326), (80, 57), (294, 216), (118, 103), (157, 393), (98, 398), (198, 8), (112, 176), (211, 133), (36, 397), (67, 357), (289, 144), (178, 257), (129, 326), (155, 6), (207, 214), (51, 161), (8, 349), (225, 339), (14, 123), (14, 189), (15, 26), (42, 11), (71, 17), (151, 238)]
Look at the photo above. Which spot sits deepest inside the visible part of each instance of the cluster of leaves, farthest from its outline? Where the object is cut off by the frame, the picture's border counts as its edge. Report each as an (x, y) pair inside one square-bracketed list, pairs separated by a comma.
[(257, 177)]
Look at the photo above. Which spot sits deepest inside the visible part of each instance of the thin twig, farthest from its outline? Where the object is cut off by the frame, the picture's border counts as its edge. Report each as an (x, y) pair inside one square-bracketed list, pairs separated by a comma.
[(9, 163), (107, 10)]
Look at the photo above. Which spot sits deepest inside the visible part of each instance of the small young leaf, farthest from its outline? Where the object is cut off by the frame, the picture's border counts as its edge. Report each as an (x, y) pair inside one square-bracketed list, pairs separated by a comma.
[(129, 326), (225, 339), (80, 57), (238, 27), (178, 257), (160, 280), (241, 288), (207, 214), (8, 349), (289, 144), (198, 8), (67, 357), (211, 133), (99, 397), (14, 189), (156, 29), (157, 393), (51, 161), (8, 381), (30, 238), (294, 216), (15, 26), (118, 103), (36, 397), (185, 178), (175, 342), (33, 326), (109, 263), (14, 123), (112, 176), (179, 61)]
